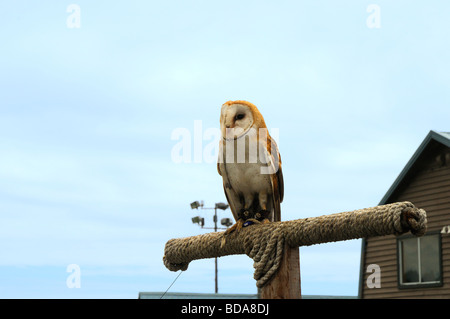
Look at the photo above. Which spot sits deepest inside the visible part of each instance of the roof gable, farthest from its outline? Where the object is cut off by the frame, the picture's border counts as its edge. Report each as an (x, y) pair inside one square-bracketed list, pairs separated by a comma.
[(433, 136)]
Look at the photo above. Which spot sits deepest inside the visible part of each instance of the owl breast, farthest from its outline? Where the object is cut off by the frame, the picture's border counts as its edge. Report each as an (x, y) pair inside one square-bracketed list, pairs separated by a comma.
[(246, 178), (243, 162)]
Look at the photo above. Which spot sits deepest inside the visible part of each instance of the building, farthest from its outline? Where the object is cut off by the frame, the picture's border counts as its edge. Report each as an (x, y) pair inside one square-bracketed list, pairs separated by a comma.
[(415, 267)]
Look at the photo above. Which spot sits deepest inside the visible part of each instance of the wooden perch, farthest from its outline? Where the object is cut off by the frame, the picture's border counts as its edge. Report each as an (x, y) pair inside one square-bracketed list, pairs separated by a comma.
[(265, 243)]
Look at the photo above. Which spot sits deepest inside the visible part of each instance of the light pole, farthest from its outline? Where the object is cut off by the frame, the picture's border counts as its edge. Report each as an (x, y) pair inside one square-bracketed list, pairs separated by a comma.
[(201, 222)]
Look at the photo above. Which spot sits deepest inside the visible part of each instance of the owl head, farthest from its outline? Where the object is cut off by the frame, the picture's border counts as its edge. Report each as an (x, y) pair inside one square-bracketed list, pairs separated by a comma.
[(238, 117)]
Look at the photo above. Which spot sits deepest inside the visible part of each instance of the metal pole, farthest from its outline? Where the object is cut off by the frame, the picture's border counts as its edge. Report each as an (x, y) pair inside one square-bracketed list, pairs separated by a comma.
[(215, 229)]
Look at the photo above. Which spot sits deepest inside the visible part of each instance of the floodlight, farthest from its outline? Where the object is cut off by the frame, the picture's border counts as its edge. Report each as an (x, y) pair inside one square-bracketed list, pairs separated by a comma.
[(221, 206), (226, 222), (195, 220), (198, 220), (195, 205)]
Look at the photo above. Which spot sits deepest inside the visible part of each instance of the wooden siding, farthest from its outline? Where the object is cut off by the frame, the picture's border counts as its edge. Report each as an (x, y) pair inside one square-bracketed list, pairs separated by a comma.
[(428, 188)]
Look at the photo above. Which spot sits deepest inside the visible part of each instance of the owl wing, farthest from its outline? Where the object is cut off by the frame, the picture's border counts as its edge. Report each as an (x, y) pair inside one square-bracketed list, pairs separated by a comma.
[(276, 178)]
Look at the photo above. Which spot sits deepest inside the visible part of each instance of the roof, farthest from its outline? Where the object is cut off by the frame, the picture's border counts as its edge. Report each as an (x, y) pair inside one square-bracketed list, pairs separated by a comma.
[(441, 137)]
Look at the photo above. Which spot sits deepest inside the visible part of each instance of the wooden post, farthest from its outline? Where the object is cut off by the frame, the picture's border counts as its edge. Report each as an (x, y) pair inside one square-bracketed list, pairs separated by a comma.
[(286, 282)]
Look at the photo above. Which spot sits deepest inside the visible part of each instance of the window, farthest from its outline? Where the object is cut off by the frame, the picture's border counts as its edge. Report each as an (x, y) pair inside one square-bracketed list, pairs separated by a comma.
[(419, 260)]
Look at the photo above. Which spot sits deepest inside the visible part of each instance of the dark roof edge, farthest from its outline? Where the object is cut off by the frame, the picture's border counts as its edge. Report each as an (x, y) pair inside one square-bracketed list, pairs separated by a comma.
[(432, 135)]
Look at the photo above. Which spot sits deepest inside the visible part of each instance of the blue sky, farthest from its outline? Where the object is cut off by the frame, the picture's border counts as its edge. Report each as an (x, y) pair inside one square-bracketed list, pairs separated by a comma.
[(87, 115)]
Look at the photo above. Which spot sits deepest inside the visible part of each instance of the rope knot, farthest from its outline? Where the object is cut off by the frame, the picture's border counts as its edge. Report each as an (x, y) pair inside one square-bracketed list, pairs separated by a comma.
[(266, 250), (414, 220), (175, 266)]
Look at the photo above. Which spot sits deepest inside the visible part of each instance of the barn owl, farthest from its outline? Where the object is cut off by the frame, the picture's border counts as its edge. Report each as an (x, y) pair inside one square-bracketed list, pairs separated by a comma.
[(250, 165)]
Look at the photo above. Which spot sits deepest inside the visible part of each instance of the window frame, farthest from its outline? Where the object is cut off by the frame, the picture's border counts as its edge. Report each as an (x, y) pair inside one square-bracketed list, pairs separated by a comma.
[(430, 284)]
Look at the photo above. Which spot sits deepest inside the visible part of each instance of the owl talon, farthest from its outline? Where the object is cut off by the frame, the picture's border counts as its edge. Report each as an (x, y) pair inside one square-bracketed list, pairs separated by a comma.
[(263, 214), (236, 227), (243, 213)]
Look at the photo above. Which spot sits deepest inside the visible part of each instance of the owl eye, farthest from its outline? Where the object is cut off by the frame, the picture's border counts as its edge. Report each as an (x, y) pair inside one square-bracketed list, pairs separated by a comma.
[(240, 116)]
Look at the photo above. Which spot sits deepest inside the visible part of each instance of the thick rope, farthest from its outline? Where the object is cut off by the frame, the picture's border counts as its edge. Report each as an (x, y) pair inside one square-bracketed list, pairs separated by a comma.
[(264, 243)]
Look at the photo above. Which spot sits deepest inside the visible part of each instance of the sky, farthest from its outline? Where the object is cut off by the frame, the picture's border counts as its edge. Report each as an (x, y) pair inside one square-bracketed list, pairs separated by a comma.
[(93, 92)]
